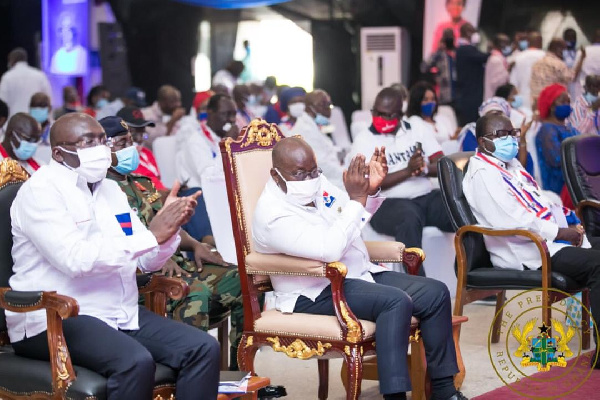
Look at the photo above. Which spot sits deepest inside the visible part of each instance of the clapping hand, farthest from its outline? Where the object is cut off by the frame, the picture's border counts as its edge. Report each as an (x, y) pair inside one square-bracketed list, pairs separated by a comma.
[(378, 169), (357, 179)]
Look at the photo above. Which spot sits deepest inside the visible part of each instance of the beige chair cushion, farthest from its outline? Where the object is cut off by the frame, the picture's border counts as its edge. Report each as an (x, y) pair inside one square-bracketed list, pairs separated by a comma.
[(323, 327), (385, 251), (310, 326), (281, 264)]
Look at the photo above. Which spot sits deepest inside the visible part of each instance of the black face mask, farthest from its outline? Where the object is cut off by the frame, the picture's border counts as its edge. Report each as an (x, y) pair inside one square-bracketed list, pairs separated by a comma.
[(449, 43)]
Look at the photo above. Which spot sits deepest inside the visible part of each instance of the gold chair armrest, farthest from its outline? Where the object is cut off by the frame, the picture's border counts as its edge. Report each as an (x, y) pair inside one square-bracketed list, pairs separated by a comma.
[(58, 307), (534, 237), (281, 264)]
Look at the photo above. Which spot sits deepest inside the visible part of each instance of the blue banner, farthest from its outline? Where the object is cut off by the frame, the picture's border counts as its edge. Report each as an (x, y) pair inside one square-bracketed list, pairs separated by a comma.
[(231, 4)]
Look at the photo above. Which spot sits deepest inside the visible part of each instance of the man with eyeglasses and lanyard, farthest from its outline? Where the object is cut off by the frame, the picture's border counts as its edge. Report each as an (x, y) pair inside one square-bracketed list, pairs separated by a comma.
[(503, 195), (75, 233), (412, 156), (23, 134)]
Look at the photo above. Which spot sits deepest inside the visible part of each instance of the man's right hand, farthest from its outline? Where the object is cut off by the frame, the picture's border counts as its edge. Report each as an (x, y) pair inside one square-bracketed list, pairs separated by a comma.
[(416, 163), (356, 179), (571, 235), (167, 222)]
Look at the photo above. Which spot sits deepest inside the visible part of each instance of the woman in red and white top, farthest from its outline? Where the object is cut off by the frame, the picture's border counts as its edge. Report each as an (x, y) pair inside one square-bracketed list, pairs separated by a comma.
[(23, 134), (137, 124)]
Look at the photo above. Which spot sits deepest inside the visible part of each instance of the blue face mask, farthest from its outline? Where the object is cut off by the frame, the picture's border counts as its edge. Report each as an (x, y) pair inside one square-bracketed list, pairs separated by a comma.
[(506, 148), (506, 51), (40, 114), (321, 120), (129, 160), (523, 44), (562, 112), (590, 98), (100, 104), (517, 102), (427, 109), (203, 116), (26, 150)]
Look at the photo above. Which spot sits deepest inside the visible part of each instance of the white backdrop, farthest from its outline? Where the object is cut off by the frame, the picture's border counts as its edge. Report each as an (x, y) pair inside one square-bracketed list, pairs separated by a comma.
[(435, 12)]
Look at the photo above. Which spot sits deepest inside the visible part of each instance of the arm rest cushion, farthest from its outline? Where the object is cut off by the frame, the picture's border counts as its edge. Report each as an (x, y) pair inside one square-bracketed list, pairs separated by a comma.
[(16, 298), (385, 251), (281, 264)]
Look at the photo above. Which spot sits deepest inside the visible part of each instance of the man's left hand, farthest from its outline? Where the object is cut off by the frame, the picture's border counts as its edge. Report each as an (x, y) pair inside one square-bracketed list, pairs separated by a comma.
[(204, 253), (378, 169)]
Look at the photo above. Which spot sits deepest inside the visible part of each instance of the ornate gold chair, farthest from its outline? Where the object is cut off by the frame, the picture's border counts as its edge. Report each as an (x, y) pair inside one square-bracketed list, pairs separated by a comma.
[(23, 378), (246, 164)]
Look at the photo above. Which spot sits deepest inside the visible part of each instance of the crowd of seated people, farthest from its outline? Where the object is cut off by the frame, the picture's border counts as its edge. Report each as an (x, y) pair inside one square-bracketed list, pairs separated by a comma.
[(98, 159)]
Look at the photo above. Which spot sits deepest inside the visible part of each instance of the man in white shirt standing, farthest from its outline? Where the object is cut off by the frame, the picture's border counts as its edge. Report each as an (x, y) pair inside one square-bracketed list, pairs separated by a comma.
[(496, 68), (74, 232), (412, 156), (300, 213), (21, 82), (520, 75), (311, 126), (503, 195)]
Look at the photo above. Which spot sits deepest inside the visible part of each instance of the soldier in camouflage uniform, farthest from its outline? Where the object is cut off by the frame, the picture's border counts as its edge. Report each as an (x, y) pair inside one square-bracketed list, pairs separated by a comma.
[(214, 287)]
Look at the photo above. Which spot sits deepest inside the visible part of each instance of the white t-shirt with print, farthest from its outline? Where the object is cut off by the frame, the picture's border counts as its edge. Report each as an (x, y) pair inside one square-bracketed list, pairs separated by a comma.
[(399, 148)]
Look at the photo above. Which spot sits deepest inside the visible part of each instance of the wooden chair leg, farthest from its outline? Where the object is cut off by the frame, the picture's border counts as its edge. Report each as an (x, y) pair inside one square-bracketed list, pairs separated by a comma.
[(323, 378), (354, 364), (460, 377), (246, 355), (586, 332), (418, 371), (499, 304), (223, 334)]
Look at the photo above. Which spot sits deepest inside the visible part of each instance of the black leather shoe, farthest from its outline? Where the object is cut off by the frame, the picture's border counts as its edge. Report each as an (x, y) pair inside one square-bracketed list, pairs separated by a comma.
[(271, 392), (457, 396)]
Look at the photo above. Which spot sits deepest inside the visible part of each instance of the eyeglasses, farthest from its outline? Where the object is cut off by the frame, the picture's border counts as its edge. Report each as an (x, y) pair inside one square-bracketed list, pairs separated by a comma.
[(86, 141), (504, 133), (120, 141), (377, 113), (301, 175), (22, 137)]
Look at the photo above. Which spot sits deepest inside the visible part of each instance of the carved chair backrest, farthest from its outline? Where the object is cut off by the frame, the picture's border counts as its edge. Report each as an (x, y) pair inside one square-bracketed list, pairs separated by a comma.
[(12, 176)]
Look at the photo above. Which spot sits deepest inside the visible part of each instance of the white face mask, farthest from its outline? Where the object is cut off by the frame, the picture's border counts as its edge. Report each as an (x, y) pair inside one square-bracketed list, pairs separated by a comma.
[(296, 109), (302, 192), (93, 162), (165, 118), (227, 127), (475, 38)]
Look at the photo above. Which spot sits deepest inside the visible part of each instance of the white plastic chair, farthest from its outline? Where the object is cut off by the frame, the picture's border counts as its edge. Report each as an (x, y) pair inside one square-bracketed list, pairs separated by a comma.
[(165, 149), (340, 134)]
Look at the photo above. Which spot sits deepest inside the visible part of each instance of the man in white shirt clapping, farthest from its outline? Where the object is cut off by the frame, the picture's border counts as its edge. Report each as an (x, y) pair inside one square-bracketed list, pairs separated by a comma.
[(300, 213), (503, 195), (74, 232), (412, 156)]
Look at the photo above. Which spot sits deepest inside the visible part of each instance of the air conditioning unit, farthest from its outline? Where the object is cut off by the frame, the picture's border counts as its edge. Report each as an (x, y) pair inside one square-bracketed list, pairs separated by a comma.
[(384, 60)]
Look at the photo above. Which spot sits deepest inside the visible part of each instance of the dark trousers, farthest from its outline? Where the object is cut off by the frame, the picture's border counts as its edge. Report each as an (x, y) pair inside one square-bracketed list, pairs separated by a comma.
[(199, 225), (583, 266), (127, 358), (404, 219), (390, 303)]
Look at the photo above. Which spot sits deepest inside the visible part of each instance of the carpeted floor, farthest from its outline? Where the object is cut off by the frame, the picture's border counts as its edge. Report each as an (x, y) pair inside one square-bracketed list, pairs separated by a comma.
[(574, 382)]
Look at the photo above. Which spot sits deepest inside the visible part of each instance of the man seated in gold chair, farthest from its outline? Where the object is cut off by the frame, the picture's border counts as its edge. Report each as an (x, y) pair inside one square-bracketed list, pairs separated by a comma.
[(300, 213)]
